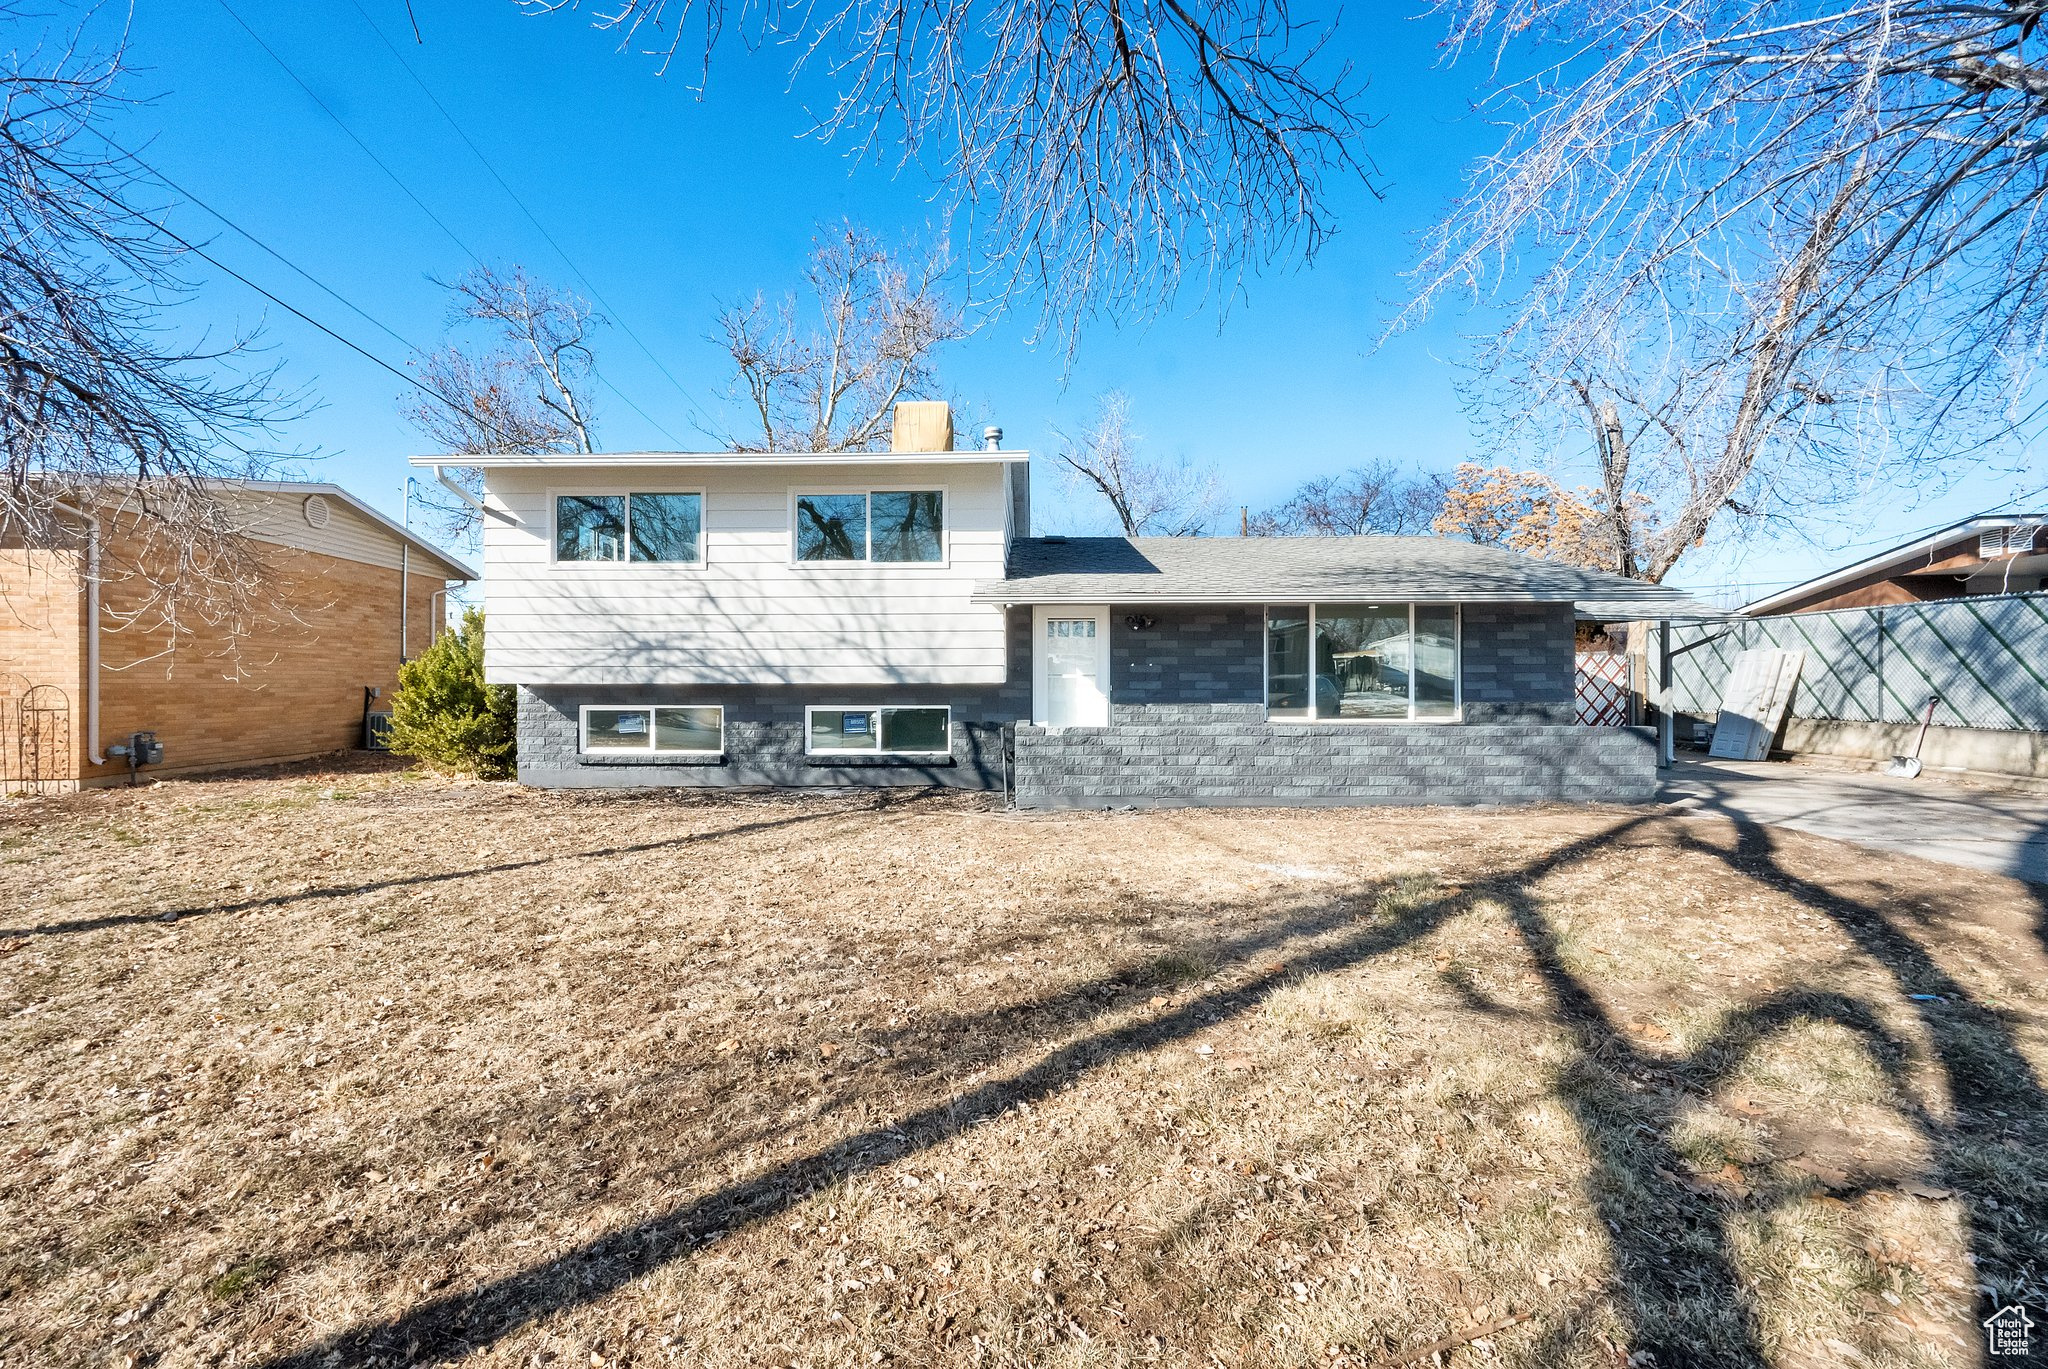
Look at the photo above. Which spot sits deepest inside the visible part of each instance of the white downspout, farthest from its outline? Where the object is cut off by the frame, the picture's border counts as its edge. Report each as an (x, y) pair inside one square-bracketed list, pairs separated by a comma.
[(404, 599), (92, 632)]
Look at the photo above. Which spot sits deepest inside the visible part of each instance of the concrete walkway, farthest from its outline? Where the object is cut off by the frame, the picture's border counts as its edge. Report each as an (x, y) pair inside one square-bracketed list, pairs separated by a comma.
[(2006, 834)]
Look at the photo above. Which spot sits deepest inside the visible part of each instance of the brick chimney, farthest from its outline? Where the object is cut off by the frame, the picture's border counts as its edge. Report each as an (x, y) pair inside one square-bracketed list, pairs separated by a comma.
[(922, 425)]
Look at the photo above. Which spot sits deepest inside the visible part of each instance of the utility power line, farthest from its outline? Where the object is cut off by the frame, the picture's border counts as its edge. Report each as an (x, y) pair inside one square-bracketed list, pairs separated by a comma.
[(407, 191), (531, 218), (196, 250), (157, 174)]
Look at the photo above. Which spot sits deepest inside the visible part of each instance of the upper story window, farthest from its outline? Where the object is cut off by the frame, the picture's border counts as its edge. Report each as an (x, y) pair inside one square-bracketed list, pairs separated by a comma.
[(629, 527), (878, 526), (1362, 661)]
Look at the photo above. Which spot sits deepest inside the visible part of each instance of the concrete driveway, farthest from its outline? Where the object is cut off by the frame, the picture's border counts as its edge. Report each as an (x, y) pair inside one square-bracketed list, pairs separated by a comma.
[(2006, 834)]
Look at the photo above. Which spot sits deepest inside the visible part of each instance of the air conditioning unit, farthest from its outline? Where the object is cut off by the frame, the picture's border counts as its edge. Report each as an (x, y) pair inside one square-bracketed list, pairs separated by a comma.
[(376, 731)]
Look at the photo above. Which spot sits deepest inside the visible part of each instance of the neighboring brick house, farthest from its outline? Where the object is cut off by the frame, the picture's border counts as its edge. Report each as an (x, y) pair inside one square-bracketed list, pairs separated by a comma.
[(354, 592), (1988, 554), (884, 618)]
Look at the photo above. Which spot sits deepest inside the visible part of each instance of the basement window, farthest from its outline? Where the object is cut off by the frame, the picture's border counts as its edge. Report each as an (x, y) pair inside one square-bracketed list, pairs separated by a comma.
[(878, 731), (679, 730)]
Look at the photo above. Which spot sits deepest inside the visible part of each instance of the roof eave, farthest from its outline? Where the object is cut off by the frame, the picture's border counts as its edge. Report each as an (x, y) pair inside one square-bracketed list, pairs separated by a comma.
[(604, 460), (1884, 561), (1005, 594), (388, 523)]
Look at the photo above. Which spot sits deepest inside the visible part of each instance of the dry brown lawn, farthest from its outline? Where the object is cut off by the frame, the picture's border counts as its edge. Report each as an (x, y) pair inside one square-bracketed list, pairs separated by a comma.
[(359, 1068)]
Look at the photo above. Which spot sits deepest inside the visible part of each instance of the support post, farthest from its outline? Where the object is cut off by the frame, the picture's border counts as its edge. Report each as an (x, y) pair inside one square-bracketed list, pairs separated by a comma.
[(1667, 740)]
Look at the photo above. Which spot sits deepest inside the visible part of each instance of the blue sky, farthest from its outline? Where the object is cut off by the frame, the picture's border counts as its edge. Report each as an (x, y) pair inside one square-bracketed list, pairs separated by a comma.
[(670, 201)]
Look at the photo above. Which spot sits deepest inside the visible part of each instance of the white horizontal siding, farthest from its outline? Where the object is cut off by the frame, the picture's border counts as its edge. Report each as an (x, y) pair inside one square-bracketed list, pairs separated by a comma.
[(747, 615)]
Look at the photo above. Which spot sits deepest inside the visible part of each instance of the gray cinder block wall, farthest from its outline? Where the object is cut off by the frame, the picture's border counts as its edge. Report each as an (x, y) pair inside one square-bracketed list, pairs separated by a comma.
[(764, 733), (1228, 754), (1188, 726)]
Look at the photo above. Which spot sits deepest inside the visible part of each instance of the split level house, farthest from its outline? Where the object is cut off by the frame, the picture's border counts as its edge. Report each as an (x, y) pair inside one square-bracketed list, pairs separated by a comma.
[(95, 654), (886, 618)]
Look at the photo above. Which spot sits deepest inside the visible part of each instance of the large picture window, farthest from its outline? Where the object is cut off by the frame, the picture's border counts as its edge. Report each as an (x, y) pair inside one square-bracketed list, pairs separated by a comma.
[(649, 527), (889, 526), (1362, 661), (878, 731), (681, 730)]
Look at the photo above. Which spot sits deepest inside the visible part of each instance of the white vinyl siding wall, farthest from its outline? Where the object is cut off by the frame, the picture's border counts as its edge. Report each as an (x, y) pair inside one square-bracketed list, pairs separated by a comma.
[(749, 614)]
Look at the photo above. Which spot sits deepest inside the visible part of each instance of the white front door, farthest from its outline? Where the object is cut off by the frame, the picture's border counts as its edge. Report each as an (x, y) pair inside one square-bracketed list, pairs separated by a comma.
[(1070, 667)]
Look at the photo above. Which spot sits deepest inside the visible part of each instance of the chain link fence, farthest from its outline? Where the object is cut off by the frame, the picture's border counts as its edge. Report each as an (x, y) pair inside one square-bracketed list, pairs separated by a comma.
[(1985, 658)]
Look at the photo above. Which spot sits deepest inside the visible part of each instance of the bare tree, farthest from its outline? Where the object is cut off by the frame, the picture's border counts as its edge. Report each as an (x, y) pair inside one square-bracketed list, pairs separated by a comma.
[(109, 420), (1378, 497), (1100, 149), (525, 387), (1150, 496), (827, 377), (1776, 253)]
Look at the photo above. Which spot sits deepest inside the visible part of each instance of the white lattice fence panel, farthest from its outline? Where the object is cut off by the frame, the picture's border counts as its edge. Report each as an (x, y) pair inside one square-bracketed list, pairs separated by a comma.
[(1602, 693)]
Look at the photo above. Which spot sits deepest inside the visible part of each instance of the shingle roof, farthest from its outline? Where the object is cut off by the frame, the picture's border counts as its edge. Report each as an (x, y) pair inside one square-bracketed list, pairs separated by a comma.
[(1163, 570)]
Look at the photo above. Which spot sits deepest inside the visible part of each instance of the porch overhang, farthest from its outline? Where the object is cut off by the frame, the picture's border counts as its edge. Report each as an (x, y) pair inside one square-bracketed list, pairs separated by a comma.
[(1147, 571)]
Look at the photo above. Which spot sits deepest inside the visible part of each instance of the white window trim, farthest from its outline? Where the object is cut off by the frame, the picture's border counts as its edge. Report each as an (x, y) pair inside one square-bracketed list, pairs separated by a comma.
[(1040, 692), (626, 563), (877, 710), (1457, 713), (583, 725), (867, 562)]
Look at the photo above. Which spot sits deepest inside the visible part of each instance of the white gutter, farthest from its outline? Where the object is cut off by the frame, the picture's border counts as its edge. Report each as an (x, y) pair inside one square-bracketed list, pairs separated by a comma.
[(571, 460), (466, 497), (92, 632)]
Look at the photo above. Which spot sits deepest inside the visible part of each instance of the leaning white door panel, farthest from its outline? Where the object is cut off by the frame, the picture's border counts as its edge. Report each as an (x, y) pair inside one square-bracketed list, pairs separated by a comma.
[(1070, 667)]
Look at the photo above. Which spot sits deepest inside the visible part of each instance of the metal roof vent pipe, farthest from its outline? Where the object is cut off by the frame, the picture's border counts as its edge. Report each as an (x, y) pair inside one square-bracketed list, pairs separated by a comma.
[(991, 439)]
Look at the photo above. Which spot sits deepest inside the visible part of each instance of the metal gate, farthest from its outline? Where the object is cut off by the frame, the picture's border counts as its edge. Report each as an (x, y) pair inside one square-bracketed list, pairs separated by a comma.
[(41, 738), (1602, 691)]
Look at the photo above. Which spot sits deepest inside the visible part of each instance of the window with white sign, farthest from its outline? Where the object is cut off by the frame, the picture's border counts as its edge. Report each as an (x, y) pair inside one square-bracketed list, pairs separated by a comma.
[(878, 731), (681, 730)]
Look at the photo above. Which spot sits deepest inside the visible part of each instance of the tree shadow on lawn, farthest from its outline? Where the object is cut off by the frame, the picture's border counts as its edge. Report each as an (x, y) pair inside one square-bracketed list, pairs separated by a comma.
[(1994, 1142), (337, 891), (1680, 1291)]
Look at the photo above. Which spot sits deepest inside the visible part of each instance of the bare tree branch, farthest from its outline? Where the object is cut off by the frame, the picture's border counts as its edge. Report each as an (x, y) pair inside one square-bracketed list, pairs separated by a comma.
[(1099, 150), (1150, 496), (1377, 497), (828, 378), (526, 387), (106, 412), (1798, 247)]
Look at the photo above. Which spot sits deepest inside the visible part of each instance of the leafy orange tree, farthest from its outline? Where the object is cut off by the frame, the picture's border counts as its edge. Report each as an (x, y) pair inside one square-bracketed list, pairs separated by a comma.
[(1528, 511)]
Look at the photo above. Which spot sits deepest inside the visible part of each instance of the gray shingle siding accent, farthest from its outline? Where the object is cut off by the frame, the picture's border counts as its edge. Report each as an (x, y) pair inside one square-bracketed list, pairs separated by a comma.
[(1228, 755), (764, 733), (1518, 663), (1188, 726), (1188, 654)]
